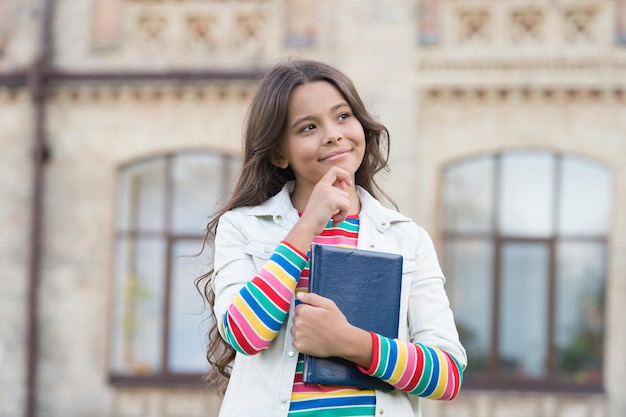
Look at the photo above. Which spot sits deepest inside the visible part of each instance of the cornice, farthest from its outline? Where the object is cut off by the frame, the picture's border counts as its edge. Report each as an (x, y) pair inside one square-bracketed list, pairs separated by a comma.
[(154, 92), (517, 94), (143, 86), (451, 64)]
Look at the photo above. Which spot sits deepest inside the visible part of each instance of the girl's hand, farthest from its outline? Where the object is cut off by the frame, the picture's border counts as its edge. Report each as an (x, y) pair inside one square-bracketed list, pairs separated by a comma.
[(330, 199), (320, 329)]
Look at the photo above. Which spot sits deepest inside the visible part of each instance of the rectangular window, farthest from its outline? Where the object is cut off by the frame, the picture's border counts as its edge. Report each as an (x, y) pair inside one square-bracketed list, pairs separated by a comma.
[(159, 322), (526, 239)]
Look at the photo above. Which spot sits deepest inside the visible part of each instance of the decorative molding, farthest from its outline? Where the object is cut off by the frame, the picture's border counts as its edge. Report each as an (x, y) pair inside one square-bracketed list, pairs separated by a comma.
[(500, 95), (11, 95), (511, 64), (153, 92)]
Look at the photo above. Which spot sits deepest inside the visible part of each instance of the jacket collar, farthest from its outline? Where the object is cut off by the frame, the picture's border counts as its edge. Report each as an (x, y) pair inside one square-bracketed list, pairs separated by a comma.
[(279, 207), (380, 216)]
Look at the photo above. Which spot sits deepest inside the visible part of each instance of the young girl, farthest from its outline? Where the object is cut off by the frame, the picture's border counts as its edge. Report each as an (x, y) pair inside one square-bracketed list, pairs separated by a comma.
[(311, 151)]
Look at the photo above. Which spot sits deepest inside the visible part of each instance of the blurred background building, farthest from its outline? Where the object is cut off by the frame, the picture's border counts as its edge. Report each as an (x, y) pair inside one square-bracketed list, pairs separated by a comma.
[(120, 126)]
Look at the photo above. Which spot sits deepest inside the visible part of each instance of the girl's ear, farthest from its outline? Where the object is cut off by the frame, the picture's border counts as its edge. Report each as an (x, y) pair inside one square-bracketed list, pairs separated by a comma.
[(277, 159)]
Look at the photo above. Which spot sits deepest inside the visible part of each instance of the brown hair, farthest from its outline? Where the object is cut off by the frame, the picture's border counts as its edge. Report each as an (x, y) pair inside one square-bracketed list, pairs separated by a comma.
[(260, 179)]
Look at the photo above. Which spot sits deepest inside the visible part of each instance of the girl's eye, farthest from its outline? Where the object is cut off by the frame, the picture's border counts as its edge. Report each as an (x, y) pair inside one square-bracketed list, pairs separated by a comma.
[(307, 128), (343, 116)]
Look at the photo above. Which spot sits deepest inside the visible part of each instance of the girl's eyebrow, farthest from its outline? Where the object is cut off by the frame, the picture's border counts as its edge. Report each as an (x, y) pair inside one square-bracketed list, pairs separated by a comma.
[(338, 106), (332, 110)]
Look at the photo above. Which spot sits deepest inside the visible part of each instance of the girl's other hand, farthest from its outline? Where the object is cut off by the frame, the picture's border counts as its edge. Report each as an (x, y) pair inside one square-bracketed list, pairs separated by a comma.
[(320, 329)]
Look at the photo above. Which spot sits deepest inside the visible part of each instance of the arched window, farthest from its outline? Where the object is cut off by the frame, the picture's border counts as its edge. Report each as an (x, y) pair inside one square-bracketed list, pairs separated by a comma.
[(158, 334), (525, 256)]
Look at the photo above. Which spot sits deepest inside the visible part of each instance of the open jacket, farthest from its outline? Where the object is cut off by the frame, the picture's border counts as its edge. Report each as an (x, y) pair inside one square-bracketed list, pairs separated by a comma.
[(260, 385)]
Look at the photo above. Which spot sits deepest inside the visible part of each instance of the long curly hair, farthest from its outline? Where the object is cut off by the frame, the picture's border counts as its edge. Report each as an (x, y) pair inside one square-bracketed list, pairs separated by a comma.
[(260, 179)]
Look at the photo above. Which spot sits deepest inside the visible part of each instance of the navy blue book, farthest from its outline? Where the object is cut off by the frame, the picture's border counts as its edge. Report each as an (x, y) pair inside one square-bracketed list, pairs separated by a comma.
[(366, 286)]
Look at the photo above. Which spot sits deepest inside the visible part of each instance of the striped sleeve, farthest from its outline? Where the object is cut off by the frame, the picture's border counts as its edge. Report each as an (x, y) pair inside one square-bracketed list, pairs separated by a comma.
[(257, 313), (415, 368)]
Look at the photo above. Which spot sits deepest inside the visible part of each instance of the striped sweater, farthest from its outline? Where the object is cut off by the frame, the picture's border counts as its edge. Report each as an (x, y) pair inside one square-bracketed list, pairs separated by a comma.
[(258, 312)]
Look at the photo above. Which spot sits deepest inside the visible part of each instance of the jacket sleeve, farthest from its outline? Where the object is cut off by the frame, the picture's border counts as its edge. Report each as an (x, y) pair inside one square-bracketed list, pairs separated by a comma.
[(251, 307)]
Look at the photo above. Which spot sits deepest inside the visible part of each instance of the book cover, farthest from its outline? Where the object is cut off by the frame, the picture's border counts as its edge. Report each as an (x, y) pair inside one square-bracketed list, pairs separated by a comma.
[(366, 287)]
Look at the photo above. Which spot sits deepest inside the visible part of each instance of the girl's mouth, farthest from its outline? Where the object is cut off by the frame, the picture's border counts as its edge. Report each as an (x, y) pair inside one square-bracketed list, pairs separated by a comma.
[(336, 155)]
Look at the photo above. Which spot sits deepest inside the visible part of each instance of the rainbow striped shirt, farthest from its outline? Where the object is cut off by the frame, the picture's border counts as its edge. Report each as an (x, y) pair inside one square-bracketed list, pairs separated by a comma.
[(258, 312)]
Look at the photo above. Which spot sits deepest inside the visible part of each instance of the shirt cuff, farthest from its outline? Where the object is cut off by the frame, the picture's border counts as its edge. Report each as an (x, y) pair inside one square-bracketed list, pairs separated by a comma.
[(375, 356)]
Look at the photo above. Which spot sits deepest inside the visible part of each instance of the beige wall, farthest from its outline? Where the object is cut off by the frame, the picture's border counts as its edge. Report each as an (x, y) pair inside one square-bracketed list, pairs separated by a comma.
[(441, 103), (15, 192)]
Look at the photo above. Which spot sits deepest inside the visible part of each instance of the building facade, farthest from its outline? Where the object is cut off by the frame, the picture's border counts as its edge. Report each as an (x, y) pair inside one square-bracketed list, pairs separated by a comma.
[(120, 128)]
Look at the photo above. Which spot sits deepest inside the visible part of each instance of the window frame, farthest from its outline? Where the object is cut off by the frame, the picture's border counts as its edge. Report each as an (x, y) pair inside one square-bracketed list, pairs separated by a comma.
[(492, 380), (164, 377)]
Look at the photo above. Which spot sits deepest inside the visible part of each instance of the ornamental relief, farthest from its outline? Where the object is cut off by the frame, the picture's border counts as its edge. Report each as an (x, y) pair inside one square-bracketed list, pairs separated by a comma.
[(528, 25), (579, 24), (457, 24), (182, 29)]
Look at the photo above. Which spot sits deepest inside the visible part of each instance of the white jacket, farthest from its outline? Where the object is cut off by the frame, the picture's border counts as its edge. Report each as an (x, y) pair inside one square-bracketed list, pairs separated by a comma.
[(260, 385)]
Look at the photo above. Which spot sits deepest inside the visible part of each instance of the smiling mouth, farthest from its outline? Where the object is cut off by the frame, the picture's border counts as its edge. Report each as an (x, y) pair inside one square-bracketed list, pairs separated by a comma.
[(335, 155)]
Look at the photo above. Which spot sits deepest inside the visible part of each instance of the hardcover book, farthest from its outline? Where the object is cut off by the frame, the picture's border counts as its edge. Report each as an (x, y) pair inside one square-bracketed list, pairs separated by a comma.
[(366, 286)]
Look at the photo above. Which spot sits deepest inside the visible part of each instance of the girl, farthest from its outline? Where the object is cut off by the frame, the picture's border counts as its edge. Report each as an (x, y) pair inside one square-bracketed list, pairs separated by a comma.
[(310, 154)]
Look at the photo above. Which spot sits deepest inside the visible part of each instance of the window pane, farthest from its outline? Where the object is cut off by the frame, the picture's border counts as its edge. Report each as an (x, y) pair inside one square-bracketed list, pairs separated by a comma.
[(523, 310), (585, 198), (188, 322), (469, 285), (526, 189), (138, 308), (469, 196), (198, 181), (580, 311), (142, 197)]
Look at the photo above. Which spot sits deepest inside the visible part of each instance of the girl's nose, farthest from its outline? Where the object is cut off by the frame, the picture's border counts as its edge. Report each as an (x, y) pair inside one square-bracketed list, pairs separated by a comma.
[(333, 135)]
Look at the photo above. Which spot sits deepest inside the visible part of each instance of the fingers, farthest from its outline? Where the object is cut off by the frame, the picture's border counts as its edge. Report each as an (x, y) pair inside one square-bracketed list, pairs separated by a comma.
[(315, 300), (330, 199), (318, 326), (339, 217), (340, 180), (337, 177)]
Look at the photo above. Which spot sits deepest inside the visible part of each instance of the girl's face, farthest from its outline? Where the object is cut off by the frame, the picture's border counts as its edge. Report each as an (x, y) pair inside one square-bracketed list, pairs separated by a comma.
[(321, 131)]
